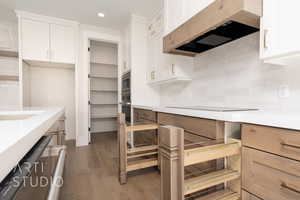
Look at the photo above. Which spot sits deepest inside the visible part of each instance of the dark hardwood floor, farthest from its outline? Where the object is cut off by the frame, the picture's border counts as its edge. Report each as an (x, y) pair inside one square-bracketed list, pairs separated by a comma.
[(91, 173)]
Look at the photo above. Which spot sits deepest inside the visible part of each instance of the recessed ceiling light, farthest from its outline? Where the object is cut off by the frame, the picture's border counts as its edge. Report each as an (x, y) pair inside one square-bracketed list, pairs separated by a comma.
[(100, 14)]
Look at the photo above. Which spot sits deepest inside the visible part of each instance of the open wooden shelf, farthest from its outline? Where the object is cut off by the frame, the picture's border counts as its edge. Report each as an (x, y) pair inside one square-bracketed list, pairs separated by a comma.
[(212, 152), (140, 164), (9, 78), (13, 54), (142, 127), (103, 116), (142, 149), (102, 76), (107, 64), (195, 184), (220, 195), (137, 155)]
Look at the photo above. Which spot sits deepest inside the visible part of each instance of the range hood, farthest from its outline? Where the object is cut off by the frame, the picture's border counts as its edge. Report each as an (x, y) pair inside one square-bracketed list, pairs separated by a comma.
[(221, 22)]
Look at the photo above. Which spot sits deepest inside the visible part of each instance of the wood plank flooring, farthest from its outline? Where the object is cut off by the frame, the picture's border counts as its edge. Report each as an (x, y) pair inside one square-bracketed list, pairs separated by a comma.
[(91, 173)]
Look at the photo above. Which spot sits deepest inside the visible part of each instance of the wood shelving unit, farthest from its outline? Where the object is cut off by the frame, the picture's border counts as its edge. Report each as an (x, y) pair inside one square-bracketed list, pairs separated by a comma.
[(135, 158), (177, 156)]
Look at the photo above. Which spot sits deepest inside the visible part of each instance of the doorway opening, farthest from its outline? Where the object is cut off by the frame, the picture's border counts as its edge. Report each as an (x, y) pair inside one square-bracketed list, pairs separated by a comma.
[(103, 87)]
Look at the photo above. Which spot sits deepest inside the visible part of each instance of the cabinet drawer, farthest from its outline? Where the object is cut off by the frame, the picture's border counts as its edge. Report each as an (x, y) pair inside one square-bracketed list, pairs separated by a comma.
[(146, 115), (274, 140), (202, 127), (248, 196), (270, 177)]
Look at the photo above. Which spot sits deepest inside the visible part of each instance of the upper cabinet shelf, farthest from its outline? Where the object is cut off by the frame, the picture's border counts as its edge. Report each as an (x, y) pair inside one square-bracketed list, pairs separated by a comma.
[(47, 39), (280, 43), (9, 78), (5, 53), (170, 80)]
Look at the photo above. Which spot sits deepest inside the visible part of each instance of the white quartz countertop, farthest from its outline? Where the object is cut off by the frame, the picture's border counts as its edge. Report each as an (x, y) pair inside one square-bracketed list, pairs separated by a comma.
[(280, 119), (17, 137)]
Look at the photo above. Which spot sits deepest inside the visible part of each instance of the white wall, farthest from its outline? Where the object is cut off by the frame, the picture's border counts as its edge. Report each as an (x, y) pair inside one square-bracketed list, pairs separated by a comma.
[(233, 75), (54, 87)]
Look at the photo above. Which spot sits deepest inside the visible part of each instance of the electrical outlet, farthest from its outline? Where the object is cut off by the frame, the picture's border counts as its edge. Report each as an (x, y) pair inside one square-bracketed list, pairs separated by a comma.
[(284, 91)]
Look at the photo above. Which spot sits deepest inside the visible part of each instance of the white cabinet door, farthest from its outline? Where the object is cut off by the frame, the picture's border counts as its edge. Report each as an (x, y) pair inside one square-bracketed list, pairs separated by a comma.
[(269, 34), (289, 29), (62, 44), (279, 30), (7, 37), (35, 40), (173, 14)]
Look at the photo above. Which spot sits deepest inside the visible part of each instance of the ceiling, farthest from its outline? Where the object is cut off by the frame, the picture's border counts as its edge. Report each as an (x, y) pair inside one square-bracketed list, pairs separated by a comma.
[(84, 11)]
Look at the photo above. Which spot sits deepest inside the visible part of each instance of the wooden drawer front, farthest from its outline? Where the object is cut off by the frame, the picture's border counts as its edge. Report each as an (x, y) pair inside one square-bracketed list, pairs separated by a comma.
[(202, 127), (248, 196), (274, 140), (269, 176), (146, 115)]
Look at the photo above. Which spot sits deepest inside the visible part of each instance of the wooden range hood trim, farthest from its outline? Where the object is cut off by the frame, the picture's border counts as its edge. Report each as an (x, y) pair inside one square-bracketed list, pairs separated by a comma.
[(219, 12)]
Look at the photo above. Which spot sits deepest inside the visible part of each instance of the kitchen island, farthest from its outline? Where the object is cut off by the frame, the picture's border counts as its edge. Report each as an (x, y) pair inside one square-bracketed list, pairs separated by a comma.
[(20, 131)]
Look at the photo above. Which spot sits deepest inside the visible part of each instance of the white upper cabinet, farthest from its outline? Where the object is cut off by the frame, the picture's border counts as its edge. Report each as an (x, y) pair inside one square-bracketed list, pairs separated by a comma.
[(179, 11), (8, 38), (62, 44), (46, 39), (174, 14), (35, 40), (164, 67), (280, 43)]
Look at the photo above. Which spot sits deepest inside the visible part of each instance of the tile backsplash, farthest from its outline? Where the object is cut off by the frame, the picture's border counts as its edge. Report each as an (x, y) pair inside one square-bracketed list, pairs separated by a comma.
[(233, 75)]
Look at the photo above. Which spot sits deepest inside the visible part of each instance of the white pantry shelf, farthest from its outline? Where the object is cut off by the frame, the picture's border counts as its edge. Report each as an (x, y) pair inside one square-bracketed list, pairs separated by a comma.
[(96, 64), (104, 104), (5, 53), (101, 90), (170, 80), (102, 76), (101, 116), (104, 131), (9, 78)]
